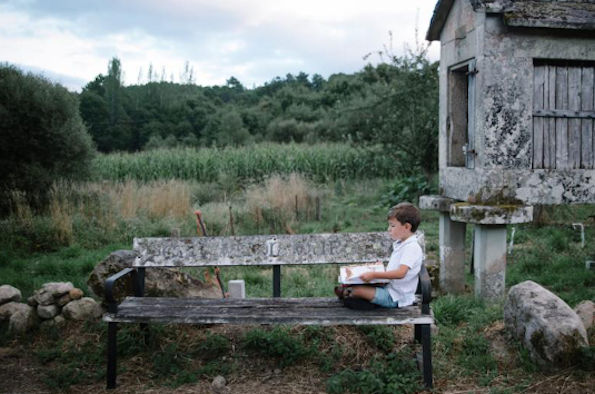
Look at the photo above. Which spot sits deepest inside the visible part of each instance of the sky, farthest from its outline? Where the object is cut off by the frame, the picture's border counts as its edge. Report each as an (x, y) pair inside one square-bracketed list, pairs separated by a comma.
[(72, 41)]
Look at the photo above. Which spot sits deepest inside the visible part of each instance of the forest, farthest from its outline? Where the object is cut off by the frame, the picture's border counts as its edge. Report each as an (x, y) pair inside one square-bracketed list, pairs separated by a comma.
[(393, 104)]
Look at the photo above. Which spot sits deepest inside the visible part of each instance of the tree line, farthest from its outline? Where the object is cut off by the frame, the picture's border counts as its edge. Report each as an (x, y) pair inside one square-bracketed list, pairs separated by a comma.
[(393, 103), (47, 132)]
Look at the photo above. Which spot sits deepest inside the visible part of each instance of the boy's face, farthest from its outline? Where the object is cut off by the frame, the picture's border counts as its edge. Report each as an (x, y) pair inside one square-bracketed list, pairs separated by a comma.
[(399, 231)]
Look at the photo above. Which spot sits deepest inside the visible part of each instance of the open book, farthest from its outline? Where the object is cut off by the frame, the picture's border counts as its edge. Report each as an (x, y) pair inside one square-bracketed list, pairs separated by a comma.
[(350, 274)]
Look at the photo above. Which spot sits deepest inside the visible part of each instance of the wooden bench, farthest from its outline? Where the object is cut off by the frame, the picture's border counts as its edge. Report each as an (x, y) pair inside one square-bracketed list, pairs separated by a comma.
[(261, 250)]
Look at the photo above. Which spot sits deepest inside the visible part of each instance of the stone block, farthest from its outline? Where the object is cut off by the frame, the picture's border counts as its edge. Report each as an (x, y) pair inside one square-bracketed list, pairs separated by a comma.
[(10, 308), (9, 293), (23, 320), (491, 214), (436, 203), (452, 255), (237, 288), (49, 292), (65, 299), (75, 294), (84, 309), (47, 311)]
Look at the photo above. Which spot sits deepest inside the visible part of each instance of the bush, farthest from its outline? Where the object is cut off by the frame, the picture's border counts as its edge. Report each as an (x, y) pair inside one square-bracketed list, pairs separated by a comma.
[(407, 189), (42, 136)]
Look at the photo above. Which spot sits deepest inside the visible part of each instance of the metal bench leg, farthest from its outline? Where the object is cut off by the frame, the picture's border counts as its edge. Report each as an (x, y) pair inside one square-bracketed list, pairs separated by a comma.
[(146, 333), (417, 333), (112, 354), (426, 343)]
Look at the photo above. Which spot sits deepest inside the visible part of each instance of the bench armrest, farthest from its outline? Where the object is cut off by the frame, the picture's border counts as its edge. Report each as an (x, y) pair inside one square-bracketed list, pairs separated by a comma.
[(425, 285), (112, 306)]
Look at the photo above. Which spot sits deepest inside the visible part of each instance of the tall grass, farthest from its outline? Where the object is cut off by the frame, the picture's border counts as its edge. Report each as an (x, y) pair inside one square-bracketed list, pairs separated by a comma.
[(322, 162)]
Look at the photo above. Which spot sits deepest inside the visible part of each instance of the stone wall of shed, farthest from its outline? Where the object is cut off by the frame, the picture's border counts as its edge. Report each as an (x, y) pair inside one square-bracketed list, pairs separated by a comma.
[(504, 110)]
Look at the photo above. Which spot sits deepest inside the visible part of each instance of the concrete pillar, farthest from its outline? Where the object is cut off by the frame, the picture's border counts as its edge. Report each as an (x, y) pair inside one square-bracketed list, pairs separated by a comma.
[(452, 244), (489, 252), (452, 255), (237, 288), (489, 255)]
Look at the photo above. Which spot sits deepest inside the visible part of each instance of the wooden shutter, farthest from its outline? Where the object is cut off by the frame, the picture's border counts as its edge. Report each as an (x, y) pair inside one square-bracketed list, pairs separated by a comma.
[(563, 115)]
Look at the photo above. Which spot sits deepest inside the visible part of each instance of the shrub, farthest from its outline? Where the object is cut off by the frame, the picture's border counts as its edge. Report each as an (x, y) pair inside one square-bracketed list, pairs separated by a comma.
[(407, 189), (42, 136)]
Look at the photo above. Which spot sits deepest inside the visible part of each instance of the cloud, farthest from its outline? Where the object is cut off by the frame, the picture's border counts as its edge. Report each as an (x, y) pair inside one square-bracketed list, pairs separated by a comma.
[(251, 40)]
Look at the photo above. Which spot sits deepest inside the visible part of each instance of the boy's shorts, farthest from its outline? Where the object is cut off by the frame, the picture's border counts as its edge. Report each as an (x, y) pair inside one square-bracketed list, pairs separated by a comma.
[(383, 298)]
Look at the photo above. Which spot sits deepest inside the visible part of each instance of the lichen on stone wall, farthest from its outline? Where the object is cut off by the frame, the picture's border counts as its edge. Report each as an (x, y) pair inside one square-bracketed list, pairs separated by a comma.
[(506, 143), (489, 195)]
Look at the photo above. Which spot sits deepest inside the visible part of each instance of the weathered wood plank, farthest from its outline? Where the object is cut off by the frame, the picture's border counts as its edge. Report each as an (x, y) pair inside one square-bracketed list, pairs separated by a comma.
[(538, 92), (587, 104), (562, 124), (550, 124), (574, 125), (564, 113), (311, 302), (319, 311), (263, 250)]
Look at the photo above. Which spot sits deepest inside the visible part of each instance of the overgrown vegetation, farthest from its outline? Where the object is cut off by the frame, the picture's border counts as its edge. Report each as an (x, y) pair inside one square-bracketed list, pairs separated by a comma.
[(42, 137), (470, 348)]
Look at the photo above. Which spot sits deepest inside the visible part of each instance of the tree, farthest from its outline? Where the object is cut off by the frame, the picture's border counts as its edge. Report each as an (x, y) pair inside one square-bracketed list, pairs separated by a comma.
[(103, 108), (42, 136)]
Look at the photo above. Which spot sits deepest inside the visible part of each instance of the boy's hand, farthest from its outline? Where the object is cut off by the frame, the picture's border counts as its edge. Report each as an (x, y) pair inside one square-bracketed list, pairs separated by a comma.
[(368, 276)]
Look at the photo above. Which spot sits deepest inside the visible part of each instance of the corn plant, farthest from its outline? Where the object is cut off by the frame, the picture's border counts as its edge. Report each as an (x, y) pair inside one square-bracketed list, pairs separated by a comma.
[(323, 162)]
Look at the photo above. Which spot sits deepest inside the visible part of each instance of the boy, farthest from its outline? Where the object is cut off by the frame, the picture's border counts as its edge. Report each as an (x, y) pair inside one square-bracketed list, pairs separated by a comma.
[(403, 267)]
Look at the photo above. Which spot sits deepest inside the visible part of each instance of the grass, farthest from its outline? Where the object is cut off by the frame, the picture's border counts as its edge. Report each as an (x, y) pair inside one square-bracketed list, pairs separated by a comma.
[(87, 222)]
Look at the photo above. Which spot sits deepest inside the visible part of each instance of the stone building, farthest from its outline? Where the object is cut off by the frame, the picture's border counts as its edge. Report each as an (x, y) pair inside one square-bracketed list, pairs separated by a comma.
[(516, 122)]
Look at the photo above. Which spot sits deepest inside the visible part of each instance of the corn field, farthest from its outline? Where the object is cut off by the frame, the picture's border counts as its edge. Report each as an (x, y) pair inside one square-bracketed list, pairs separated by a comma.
[(320, 163)]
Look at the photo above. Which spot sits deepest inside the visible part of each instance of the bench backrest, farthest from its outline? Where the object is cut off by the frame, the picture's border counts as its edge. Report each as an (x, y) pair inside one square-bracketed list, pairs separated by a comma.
[(336, 248)]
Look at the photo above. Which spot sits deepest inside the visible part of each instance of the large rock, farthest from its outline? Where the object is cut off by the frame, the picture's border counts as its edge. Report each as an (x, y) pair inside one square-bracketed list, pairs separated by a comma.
[(50, 292), (162, 282), (9, 293), (23, 319), (549, 329), (84, 309), (585, 311)]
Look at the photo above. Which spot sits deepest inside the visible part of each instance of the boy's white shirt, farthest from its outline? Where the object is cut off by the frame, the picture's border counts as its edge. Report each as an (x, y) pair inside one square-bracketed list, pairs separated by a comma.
[(407, 253)]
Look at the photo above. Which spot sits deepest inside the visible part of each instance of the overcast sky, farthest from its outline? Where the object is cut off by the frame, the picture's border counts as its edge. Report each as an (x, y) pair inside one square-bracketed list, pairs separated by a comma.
[(72, 41)]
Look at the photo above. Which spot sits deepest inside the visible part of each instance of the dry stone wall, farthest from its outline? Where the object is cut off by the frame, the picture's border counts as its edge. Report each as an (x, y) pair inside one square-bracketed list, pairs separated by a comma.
[(50, 305)]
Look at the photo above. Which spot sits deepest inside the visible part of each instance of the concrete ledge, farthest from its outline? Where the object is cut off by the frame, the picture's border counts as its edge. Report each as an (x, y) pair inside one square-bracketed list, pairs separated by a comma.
[(436, 203), (491, 214)]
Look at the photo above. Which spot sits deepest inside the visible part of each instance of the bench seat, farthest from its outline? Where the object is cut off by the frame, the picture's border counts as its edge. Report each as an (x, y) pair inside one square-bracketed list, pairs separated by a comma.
[(298, 311)]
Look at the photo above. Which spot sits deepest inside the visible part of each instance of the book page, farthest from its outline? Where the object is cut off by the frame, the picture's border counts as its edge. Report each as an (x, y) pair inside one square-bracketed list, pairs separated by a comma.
[(350, 274)]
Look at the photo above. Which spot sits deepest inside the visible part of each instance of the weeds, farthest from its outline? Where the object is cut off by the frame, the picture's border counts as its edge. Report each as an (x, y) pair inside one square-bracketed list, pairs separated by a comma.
[(277, 344), (382, 337), (213, 347), (395, 373)]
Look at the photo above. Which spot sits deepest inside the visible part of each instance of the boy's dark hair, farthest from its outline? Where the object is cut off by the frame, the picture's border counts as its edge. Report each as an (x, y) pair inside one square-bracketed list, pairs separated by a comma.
[(405, 212)]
